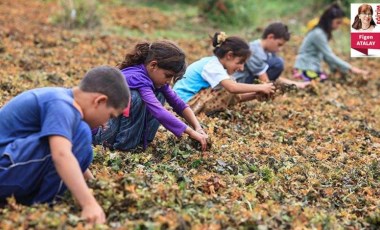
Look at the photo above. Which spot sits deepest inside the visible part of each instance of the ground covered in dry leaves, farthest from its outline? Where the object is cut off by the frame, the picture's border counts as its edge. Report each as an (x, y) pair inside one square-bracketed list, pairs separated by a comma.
[(306, 159)]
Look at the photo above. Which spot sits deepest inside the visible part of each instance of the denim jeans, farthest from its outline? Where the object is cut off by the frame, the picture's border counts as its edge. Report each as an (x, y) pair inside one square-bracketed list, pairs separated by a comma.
[(124, 133), (27, 170), (276, 66)]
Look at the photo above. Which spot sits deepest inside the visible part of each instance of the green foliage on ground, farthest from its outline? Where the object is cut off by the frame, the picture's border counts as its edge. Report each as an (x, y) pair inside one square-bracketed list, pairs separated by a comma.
[(304, 160)]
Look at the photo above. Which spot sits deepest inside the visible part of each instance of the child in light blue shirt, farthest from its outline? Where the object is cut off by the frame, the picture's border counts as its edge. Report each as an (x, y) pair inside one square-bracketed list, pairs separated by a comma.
[(211, 77), (207, 72)]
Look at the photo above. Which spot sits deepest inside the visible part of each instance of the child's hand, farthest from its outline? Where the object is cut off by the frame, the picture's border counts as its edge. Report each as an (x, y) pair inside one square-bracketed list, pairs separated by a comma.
[(267, 88), (365, 72), (93, 214), (201, 131), (201, 138), (302, 85), (359, 71)]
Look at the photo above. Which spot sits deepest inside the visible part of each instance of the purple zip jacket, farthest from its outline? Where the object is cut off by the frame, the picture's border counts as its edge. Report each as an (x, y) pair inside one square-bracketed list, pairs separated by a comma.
[(138, 79)]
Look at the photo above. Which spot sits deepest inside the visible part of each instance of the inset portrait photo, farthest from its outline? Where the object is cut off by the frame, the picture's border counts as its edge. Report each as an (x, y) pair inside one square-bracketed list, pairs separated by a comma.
[(363, 18)]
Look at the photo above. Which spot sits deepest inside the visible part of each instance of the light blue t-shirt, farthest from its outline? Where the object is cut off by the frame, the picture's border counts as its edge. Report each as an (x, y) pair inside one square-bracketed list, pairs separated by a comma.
[(204, 73), (257, 63), (29, 118)]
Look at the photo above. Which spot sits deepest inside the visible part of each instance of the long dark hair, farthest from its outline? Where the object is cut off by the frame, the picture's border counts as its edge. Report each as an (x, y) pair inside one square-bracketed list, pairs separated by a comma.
[(224, 44), (167, 54), (325, 21), (357, 25)]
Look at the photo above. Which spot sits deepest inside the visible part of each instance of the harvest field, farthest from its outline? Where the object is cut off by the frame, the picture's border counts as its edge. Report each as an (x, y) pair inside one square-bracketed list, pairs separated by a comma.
[(306, 159)]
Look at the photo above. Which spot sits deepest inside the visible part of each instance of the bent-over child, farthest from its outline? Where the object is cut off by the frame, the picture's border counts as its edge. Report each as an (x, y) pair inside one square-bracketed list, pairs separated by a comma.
[(264, 64), (148, 69), (315, 48), (45, 139), (208, 86)]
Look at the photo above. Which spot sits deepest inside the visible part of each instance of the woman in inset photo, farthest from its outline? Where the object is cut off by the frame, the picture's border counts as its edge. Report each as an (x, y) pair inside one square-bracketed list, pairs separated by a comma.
[(363, 20)]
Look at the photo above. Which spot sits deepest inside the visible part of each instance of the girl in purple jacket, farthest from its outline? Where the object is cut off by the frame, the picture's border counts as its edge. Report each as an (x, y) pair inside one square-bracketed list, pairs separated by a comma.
[(149, 69)]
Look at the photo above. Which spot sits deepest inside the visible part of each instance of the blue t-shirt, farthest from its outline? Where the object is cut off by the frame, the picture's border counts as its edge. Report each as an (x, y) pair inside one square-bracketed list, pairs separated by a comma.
[(29, 118), (204, 73), (257, 63)]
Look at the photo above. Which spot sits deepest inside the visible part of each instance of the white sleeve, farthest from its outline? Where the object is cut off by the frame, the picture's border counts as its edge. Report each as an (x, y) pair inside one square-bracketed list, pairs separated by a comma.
[(263, 71), (213, 72)]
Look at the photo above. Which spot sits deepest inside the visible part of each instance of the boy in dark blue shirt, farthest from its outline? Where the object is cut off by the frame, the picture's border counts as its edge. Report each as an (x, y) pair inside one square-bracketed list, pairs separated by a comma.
[(45, 139)]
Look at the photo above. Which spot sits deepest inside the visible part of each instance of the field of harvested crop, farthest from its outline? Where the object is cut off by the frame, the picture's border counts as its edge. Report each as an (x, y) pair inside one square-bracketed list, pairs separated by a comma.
[(306, 159)]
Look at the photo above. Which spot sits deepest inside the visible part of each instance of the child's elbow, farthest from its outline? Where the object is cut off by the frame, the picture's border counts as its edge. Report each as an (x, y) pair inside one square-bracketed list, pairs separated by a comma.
[(58, 156)]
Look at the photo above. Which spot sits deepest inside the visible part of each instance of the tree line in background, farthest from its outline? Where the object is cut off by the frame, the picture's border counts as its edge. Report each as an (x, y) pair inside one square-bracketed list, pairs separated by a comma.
[(85, 13)]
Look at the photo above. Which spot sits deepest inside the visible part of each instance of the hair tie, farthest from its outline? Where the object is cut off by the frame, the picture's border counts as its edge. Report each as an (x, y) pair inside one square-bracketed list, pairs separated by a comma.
[(221, 38)]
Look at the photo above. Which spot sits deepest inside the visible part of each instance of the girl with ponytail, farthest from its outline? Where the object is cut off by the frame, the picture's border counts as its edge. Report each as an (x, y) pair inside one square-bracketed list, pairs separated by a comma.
[(208, 85), (148, 69)]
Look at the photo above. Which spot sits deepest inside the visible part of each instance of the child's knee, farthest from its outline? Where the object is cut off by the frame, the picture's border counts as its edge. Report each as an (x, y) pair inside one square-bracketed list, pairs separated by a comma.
[(137, 104), (135, 98)]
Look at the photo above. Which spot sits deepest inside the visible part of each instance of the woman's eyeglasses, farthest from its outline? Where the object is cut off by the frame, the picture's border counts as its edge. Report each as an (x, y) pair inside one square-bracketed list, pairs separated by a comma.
[(368, 15)]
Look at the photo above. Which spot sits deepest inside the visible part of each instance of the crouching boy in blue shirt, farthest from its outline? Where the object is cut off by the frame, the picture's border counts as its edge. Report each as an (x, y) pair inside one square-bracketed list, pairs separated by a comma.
[(264, 64), (45, 139)]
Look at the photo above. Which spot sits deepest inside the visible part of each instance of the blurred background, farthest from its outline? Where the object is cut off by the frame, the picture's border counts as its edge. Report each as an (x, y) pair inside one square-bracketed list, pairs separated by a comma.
[(175, 19)]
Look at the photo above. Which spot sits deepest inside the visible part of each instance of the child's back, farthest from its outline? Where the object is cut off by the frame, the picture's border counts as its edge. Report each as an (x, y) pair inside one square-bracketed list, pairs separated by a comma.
[(41, 111), (199, 75)]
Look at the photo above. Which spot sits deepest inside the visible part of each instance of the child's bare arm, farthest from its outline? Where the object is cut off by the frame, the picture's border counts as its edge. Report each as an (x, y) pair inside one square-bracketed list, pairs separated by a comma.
[(248, 96), (197, 133), (264, 77), (234, 87), (359, 71), (298, 84), (69, 170), (190, 117)]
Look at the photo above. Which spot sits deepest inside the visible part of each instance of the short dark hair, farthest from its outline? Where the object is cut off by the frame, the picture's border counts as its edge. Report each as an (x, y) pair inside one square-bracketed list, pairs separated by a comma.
[(223, 45), (278, 29), (109, 81), (167, 54)]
